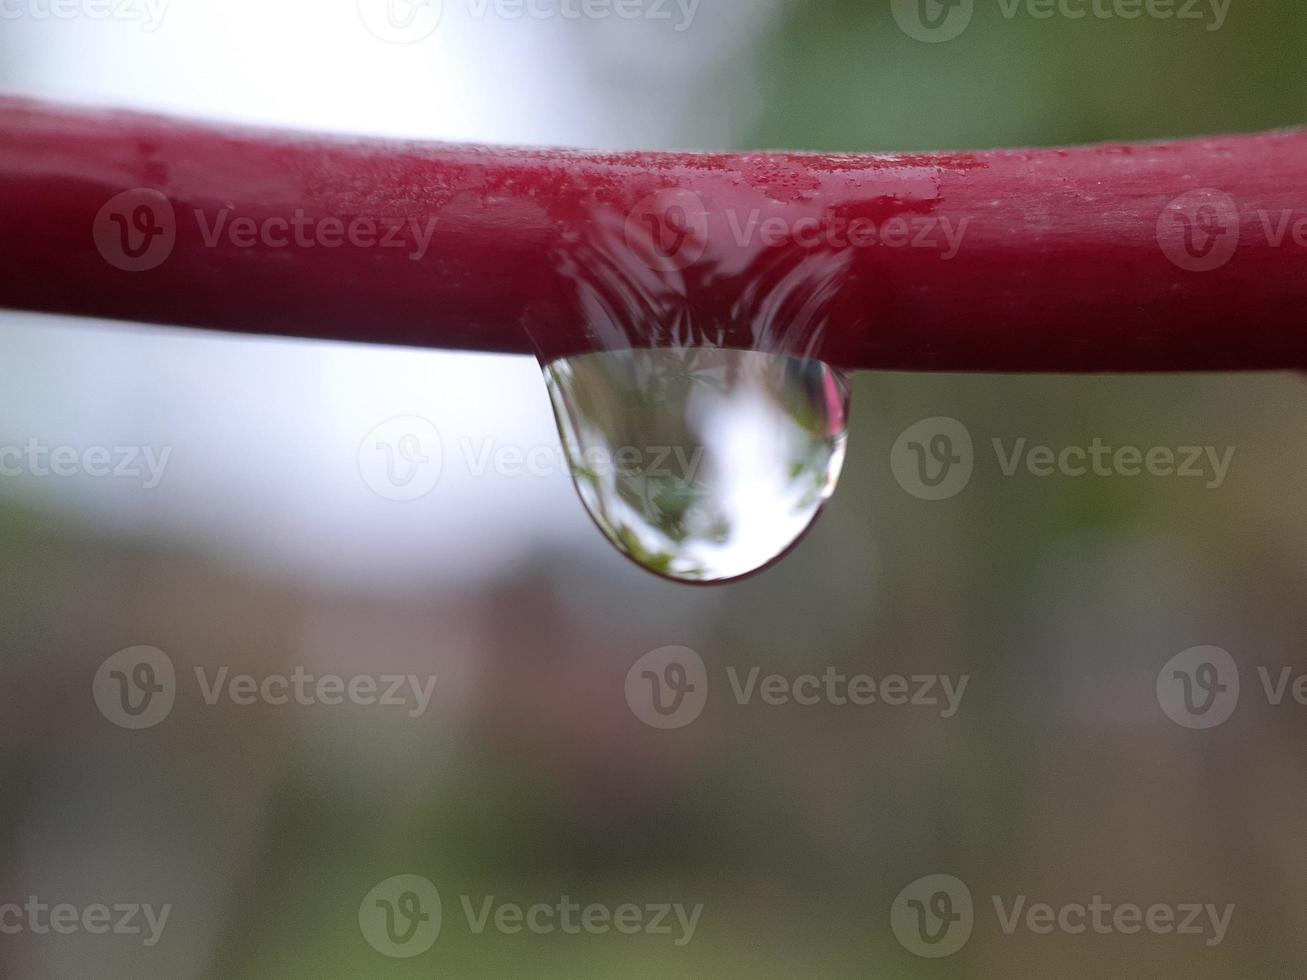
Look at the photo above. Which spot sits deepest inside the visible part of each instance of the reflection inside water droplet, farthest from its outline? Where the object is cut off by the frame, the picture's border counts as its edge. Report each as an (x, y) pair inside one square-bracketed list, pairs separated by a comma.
[(702, 465)]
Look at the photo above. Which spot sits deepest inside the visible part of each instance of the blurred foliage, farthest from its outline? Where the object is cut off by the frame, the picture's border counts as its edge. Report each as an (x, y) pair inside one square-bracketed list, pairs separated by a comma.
[(841, 75)]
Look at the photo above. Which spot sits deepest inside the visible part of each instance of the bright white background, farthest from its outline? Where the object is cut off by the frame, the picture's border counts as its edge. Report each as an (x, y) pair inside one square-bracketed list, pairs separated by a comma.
[(266, 434)]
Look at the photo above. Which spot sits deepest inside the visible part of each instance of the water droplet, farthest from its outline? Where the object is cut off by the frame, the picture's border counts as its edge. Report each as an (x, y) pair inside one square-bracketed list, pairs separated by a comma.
[(701, 464)]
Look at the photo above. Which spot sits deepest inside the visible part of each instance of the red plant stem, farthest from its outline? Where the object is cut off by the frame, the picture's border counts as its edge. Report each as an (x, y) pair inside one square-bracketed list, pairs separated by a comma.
[(1065, 260)]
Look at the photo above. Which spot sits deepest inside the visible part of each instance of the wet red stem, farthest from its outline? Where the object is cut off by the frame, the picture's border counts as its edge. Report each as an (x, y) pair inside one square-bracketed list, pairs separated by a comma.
[(1168, 257)]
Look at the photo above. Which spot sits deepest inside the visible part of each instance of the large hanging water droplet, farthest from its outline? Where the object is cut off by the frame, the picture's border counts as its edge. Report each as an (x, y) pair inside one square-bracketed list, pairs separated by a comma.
[(701, 464)]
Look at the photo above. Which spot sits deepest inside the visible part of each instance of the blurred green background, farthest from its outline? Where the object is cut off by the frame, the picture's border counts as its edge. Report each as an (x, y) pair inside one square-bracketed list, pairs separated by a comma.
[(530, 777)]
